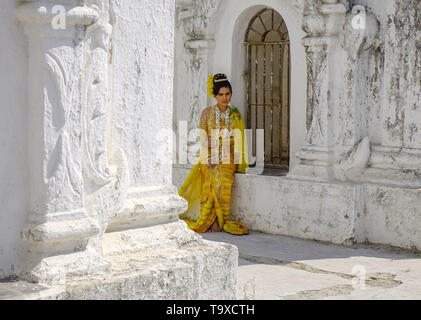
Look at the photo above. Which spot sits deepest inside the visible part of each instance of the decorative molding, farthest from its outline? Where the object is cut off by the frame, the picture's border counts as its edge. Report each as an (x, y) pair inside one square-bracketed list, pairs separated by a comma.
[(195, 15)]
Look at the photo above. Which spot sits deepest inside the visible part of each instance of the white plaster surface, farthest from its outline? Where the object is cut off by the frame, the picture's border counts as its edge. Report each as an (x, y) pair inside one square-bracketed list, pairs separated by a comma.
[(143, 88)]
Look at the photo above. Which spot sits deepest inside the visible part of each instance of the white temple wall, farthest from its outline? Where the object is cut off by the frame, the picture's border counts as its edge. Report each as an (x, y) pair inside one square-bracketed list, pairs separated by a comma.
[(13, 125), (357, 177)]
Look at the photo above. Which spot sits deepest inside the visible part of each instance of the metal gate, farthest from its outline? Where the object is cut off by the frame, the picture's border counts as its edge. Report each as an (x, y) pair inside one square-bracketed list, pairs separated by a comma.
[(268, 85)]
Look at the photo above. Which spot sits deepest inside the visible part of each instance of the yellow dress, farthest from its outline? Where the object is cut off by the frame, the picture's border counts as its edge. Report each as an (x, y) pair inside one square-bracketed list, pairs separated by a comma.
[(212, 187)]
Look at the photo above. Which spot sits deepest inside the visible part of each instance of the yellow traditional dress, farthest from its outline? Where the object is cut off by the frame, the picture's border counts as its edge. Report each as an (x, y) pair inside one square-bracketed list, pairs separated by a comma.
[(212, 187)]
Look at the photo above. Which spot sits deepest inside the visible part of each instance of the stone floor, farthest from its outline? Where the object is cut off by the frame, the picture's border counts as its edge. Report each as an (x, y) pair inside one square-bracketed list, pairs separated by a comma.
[(283, 268), (12, 289)]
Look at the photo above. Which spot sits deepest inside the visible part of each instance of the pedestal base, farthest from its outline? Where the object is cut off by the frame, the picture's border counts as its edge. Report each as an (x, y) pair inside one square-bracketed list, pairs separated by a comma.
[(161, 262), (148, 206), (57, 248), (55, 270), (312, 173)]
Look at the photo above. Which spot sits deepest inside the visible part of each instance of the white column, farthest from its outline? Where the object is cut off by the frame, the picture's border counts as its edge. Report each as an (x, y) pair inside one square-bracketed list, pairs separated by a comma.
[(58, 228), (142, 110), (198, 77), (323, 23), (352, 148), (397, 159)]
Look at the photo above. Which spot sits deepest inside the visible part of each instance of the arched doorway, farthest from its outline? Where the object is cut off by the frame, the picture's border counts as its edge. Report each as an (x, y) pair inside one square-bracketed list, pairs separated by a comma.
[(268, 85)]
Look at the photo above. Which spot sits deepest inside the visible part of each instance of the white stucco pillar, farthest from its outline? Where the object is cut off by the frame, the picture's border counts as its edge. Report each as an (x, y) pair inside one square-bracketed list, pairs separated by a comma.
[(397, 159), (359, 41), (198, 76), (142, 110), (58, 228), (323, 22)]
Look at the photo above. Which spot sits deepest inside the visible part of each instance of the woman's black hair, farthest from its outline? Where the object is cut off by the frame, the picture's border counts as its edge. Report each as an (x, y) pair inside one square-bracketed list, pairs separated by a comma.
[(220, 80)]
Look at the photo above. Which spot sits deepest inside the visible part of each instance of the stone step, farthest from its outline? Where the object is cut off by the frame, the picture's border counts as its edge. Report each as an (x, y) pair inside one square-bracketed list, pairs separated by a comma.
[(14, 289), (161, 262), (200, 270)]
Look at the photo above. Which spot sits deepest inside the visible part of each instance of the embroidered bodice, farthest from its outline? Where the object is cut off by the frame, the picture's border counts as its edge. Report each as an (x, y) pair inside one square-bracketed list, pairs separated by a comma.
[(213, 119)]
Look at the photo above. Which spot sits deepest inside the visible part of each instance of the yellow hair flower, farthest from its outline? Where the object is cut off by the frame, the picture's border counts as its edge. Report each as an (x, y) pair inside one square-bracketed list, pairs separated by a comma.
[(210, 85)]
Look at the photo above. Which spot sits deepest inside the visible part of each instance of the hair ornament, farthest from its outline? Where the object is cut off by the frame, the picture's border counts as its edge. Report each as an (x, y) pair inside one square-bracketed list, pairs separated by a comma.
[(220, 77)]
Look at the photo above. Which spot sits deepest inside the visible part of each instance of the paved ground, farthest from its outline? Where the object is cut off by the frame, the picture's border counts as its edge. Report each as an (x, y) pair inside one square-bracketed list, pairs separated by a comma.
[(283, 268)]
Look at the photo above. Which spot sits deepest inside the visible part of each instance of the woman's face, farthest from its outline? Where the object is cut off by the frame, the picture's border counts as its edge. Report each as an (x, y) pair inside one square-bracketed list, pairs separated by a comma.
[(224, 96)]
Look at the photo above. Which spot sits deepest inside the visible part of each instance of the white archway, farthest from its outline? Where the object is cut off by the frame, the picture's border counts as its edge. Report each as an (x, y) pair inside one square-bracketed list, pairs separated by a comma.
[(228, 56)]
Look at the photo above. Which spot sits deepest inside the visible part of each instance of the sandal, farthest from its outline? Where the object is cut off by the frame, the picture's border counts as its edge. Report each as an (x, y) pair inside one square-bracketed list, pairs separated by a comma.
[(235, 228)]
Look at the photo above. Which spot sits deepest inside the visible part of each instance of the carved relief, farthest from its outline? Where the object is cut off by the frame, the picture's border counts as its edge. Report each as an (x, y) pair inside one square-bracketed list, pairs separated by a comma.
[(196, 77), (196, 15), (110, 173), (95, 97), (316, 69), (62, 172)]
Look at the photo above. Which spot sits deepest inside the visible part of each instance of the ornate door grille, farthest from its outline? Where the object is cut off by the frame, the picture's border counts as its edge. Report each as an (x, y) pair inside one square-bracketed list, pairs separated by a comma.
[(268, 85)]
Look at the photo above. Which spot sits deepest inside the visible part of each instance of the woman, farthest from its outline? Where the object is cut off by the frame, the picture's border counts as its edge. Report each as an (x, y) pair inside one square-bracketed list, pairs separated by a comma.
[(223, 151)]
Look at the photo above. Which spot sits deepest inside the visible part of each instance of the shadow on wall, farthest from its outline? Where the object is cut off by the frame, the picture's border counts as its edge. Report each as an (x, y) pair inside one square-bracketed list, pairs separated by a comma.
[(13, 138)]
